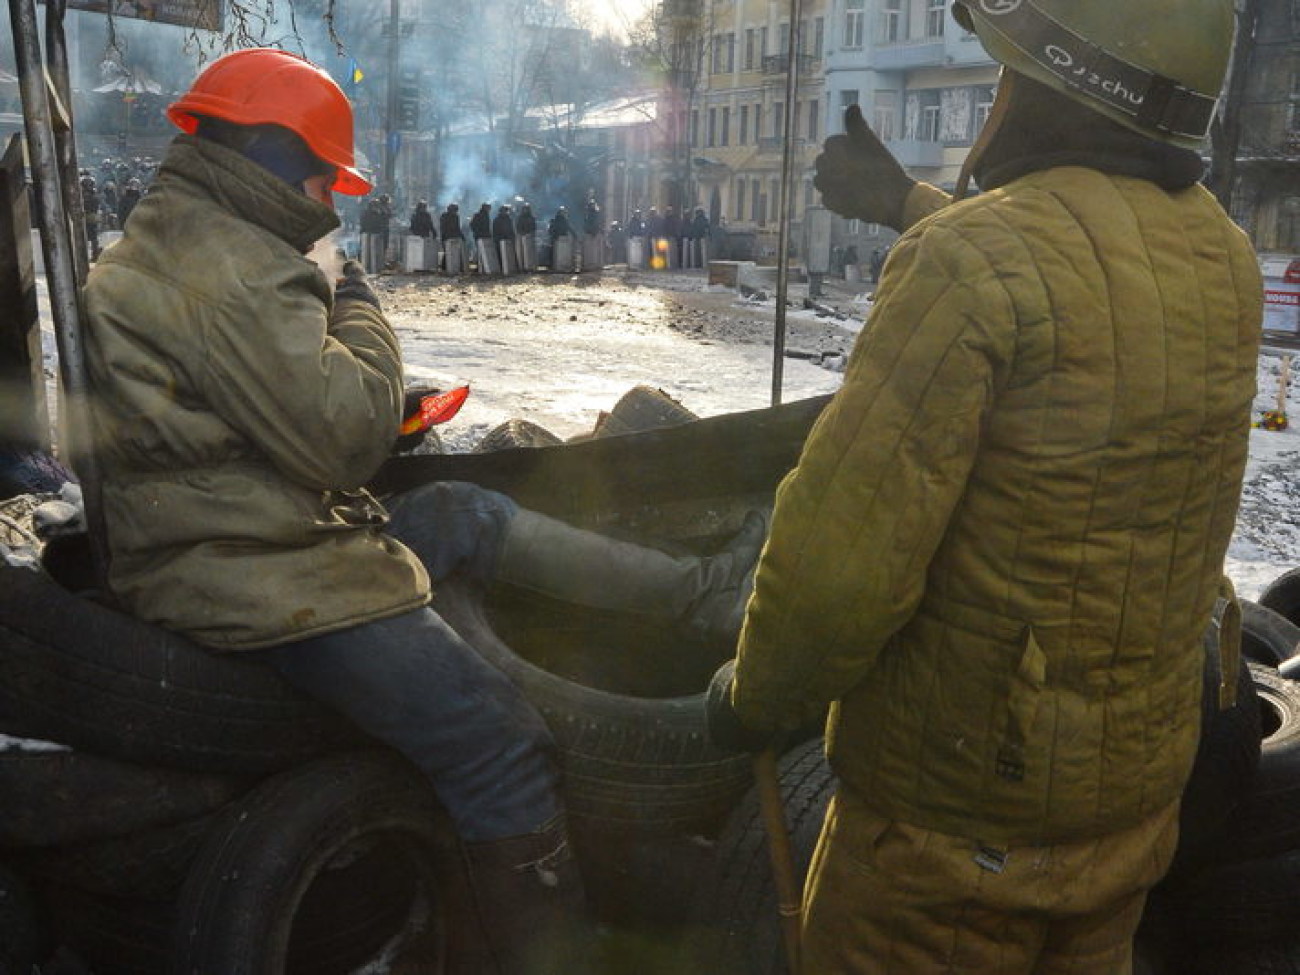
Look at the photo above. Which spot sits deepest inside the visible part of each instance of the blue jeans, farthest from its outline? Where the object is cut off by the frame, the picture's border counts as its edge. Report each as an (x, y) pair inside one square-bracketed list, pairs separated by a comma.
[(413, 683)]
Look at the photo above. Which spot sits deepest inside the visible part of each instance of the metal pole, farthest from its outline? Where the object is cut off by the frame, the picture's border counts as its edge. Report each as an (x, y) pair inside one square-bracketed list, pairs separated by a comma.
[(787, 202), (56, 56), (390, 110), (56, 246)]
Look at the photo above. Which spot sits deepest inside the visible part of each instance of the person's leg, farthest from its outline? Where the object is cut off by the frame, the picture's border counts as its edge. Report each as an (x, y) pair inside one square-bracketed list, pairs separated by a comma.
[(888, 897), (456, 526), (412, 683)]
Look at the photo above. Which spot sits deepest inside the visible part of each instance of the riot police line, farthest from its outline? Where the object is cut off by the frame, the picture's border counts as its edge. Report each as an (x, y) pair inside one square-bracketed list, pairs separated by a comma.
[(511, 242)]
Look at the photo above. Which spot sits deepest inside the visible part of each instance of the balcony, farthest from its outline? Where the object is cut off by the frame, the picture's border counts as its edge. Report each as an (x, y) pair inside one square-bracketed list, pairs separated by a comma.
[(916, 154), (778, 64), (927, 53), (768, 144)]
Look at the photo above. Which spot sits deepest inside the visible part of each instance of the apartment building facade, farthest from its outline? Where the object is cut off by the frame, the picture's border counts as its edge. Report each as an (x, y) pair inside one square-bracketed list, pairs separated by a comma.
[(924, 84)]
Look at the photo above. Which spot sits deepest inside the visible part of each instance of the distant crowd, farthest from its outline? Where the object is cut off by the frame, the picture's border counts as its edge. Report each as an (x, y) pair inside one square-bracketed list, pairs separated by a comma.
[(109, 195), (512, 241)]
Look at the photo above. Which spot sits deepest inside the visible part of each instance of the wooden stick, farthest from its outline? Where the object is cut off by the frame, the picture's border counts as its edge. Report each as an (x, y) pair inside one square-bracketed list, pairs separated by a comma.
[(1283, 380), (789, 896)]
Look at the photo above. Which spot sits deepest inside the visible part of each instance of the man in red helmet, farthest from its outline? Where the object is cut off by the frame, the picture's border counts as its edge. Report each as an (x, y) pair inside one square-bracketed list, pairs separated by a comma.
[(1003, 542), (242, 401)]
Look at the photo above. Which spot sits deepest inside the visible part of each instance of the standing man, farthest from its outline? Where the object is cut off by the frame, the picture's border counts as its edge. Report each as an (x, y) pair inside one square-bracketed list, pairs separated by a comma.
[(453, 239), (526, 238), (560, 232), (998, 553), (480, 227), (426, 242), (90, 204), (503, 239), (240, 401), (593, 236)]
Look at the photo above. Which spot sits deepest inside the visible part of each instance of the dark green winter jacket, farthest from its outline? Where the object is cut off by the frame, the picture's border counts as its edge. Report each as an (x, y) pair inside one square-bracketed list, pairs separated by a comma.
[(238, 410)]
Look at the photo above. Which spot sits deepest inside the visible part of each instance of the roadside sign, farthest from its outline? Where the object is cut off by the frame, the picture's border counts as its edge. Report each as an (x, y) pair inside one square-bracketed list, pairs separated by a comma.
[(1282, 295), (201, 14)]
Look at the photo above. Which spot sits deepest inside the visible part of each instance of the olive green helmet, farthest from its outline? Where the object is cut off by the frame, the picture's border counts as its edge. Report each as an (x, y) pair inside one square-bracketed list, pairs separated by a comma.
[(1155, 66)]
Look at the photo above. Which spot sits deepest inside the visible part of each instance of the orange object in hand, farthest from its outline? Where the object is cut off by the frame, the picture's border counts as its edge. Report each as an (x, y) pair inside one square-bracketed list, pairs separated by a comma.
[(435, 408)]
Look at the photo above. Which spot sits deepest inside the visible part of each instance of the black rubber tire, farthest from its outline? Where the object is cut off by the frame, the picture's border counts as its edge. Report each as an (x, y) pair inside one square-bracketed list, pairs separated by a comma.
[(1267, 820), (1240, 904), (1226, 761), (516, 433), (1267, 636), (150, 864), (1282, 595), (317, 869), (20, 935), (50, 798), (112, 935), (75, 672), (735, 904), (643, 408), (638, 763), (1278, 958)]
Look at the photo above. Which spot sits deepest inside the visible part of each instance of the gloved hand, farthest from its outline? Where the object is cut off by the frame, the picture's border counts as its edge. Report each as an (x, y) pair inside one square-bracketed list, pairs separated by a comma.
[(858, 178), (725, 728), (355, 284)]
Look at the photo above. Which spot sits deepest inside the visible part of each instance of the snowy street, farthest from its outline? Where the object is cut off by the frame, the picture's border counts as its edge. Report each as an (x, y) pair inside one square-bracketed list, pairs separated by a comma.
[(557, 350)]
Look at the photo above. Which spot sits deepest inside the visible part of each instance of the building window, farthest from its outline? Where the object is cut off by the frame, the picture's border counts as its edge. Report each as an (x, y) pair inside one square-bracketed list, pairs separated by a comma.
[(756, 201), (762, 42), (778, 119), (819, 36), (983, 106), (725, 135), (751, 41), (891, 21), (744, 125), (935, 14), (814, 111), (738, 206), (695, 127), (712, 138), (731, 53), (923, 115), (783, 39), (885, 116), (854, 18), (758, 123), (715, 55)]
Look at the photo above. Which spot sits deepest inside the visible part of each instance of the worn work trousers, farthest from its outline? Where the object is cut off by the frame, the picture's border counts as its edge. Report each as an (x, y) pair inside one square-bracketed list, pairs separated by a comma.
[(412, 682), (888, 898)]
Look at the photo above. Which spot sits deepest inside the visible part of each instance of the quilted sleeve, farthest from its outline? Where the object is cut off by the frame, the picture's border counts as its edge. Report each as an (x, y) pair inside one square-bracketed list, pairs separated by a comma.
[(859, 518)]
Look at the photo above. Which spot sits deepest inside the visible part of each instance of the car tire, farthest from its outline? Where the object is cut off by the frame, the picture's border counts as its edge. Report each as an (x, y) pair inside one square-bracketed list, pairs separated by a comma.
[(1266, 821), (735, 903), (78, 673), (1267, 636), (642, 408), (634, 758), (318, 869), (58, 797), (1282, 595), (516, 433)]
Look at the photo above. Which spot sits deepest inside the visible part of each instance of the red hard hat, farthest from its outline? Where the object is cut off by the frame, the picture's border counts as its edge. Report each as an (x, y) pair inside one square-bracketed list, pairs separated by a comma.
[(267, 86)]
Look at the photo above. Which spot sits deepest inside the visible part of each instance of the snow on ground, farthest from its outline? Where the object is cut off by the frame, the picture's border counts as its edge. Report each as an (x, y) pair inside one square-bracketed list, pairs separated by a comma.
[(558, 349)]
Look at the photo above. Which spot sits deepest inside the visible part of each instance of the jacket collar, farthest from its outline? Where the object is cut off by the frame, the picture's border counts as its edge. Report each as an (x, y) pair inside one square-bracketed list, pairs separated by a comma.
[(248, 191), (1043, 129)]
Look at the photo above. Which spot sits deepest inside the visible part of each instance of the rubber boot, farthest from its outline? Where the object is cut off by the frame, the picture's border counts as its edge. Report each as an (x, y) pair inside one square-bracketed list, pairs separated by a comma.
[(706, 593), (531, 903)]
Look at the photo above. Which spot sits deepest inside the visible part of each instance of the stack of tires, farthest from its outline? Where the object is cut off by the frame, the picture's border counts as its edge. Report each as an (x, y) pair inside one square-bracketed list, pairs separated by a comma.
[(199, 814), (1231, 902)]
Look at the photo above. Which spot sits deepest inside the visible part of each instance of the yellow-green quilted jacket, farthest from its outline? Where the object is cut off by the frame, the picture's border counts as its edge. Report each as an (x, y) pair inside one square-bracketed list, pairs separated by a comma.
[(238, 410), (1002, 544)]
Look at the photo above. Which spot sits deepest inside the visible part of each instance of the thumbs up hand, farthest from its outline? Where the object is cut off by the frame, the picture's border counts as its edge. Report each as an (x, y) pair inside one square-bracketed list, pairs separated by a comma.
[(858, 178)]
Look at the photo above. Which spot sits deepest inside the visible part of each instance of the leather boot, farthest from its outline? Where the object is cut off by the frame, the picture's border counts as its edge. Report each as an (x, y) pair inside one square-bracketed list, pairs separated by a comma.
[(706, 593), (531, 903)]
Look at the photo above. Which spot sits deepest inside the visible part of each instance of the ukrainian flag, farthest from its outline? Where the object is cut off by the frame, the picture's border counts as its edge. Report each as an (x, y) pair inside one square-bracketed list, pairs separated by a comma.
[(357, 73)]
